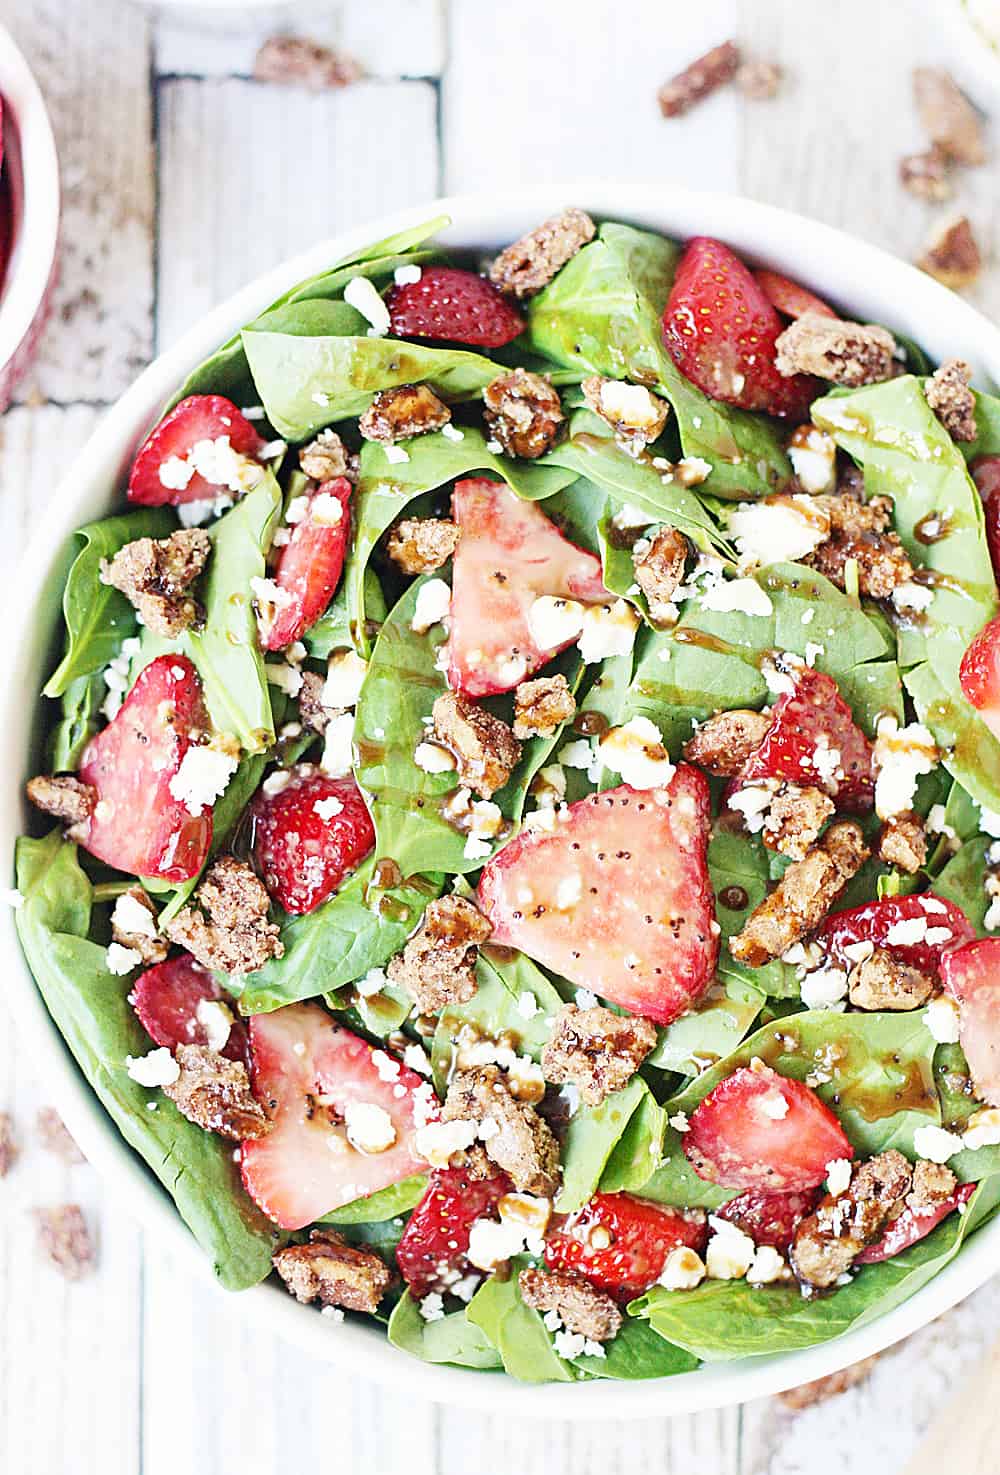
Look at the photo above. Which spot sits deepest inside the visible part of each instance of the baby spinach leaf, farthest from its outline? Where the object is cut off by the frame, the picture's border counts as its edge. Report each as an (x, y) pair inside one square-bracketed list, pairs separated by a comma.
[(387, 1203), (987, 441), (338, 942), (602, 314), (636, 1155), (969, 750), (98, 618), (81, 708), (336, 629), (517, 1330), (89, 1006), (497, 1009), (712, 1028), (739, 867), (452, 1339), (961, 881), (638, 1351), (590, 1139)]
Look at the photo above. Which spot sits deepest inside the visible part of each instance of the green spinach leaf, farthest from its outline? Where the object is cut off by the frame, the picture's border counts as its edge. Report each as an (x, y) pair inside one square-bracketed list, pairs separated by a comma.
[(452, 1339)]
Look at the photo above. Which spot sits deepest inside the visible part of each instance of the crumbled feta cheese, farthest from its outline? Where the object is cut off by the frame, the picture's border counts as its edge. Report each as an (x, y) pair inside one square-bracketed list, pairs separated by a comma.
[(982, 1129), (838, 1175), (742, 596), (486, 819), (528, 1211), (813, 455), (328, 808), (901, 756), (630, 519), (431, 1307), (345, 674), (492, 1242), (437, 1142), (691, 471), (452, 432), (369, 1127), (157, 1068), (394, 454), (911, 596), (432, 606), (122, 960), (415, 1058), (679, 1121), (906, 932), (577, 754), (373, 982), (766, 1266), (823, 988), (338, 746), (554, 622), (175, 473), (813, 651), (333, 1313), (938, 825), (630, 405), (432, 758), (683, 1269), (202, 777), (636, 752), (730, 1252), (989, 823), (407, 276), (784, 530), (942, 1019), (771, 1105), (276, 781), (361, 294), (608, 630), (131, 916), (216, 1019), (568, 891), (936, 1144), (753, 801), (527, 1004), (326, 510)]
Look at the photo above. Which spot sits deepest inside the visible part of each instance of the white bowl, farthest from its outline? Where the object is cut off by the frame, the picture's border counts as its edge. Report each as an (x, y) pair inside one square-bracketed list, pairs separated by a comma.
[(33, 169), (966, 48), (874, 286)]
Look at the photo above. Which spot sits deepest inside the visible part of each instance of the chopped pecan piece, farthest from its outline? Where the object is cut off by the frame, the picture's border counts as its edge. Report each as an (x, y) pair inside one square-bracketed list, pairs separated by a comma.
[(66, 798), (926, 175), (880, 982), (524, 413), (236, 936), (154, 575), (516, 1138), (326, 457), (134, 924), (635, 414), (760, 80), (860, 532), (842, 352), (580, 1307), (595, 1049), (659, 572), (529, 264), (723, 743), (949, 119), (902, 842), (933, 1183), (438, 964), (332, 1272), (951, 399), (55, 1137), (65, 1240), (215, 1094), (818, 1391), (827, 1241), (802, 897), (311, 709), (952, 254), (699, 80), (485, 749), (541, 706), (419, 545), (398, 414), (295, 61), (8, 1143), (794, 819)]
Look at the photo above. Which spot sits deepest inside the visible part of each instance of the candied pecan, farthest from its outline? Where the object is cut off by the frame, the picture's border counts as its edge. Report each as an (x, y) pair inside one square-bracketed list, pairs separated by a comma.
[(842, 352), (580, 1307), (880, 982), (438, 964), (326, 457), (134, 924), (407, 410), (529, 264), (659, 571), (154, 575), (516, 1137), (65, 1240), (485, 749), (723, 743), (524, 413), (818, 1391), (331, 1271), (951, 122), (66, 798), (828, 1241), (703, 77), (8, 1143), (215, 1094), (759, 80), (295, 61), (952, 253), (595, 1049), (541, 706), (902, 842), (933, 1183), (236, 936), (794, 819), (926, 175), (419, 545), (311, 709), (951, 399), (635, 414), (802, 897), (55, 1137), (860, 533)]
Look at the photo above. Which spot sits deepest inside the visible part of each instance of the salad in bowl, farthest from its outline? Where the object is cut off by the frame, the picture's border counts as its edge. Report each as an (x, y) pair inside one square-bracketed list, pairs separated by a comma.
[(518, 850)]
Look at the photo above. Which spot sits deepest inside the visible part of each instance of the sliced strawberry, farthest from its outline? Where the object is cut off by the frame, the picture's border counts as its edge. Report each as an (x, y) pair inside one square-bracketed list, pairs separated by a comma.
[(720, 329), (986, 474), (307, 1072), (509, 553), (979, 675), (813, 739), (137, 825), (913, 1225), (935, 925), (971, 975), (309, 836), (166, 998), (788, 297), (568, 898), (200, 417), (310, 564), (455, 305), (769, 1218), (642, 1235), (432, 1252), (757, 1129)]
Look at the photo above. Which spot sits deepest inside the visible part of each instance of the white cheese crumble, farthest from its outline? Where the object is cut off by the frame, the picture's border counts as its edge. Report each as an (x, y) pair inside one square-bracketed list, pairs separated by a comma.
[(813, 454), (824, 988), (553, 622), (407, 276), (214, 460), (936, 1144), (492, 1242), (452, 432), (432, 758), (838, 1176), (328, 808), (364, 298), (901, 755), (740, 596), (527, 1005), (608, 630), (781, 529), (373, 982), (911, 596), (132, 917), (942, 1019), (345, 674), (395, 455), (369, 1127), (982, 1129), (730, 1252), (415, 1058), (766, 1266), (202, 777), (216, 1019), (122, 960), (683, 1269), (636, 752), (437, 1142), (630, 405), (772, 1105), (338, 746), (157, 1068), (432, 1306), (432, 606)]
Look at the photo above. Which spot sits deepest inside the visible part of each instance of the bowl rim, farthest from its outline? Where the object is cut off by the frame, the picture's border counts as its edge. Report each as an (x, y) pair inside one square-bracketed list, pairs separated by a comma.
[(882, 287), (33, 259)]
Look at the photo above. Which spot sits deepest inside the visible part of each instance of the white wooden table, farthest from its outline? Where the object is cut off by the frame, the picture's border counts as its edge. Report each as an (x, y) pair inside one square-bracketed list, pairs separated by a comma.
[(183, 179)]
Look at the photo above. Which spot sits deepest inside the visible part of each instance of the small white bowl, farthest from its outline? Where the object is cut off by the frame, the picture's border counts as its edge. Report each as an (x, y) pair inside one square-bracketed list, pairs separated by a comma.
[(32, 170), (966, 48), (875, 287)]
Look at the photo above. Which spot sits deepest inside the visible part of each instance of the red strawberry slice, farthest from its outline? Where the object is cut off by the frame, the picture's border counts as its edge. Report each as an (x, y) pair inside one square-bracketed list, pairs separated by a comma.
[(979, 675), (509, 554), (986, 474), (769, 1218), (308, 1073), (757, 1129), (455, 305), (309, 836), (933, 924), (432, 1252), (641, 1233), (200, 417), (570, 899), (137, 824), (166, 998), (310, 564), (720, 330), (971, 975), (913, 1225), (788, 297), (808, 727)]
